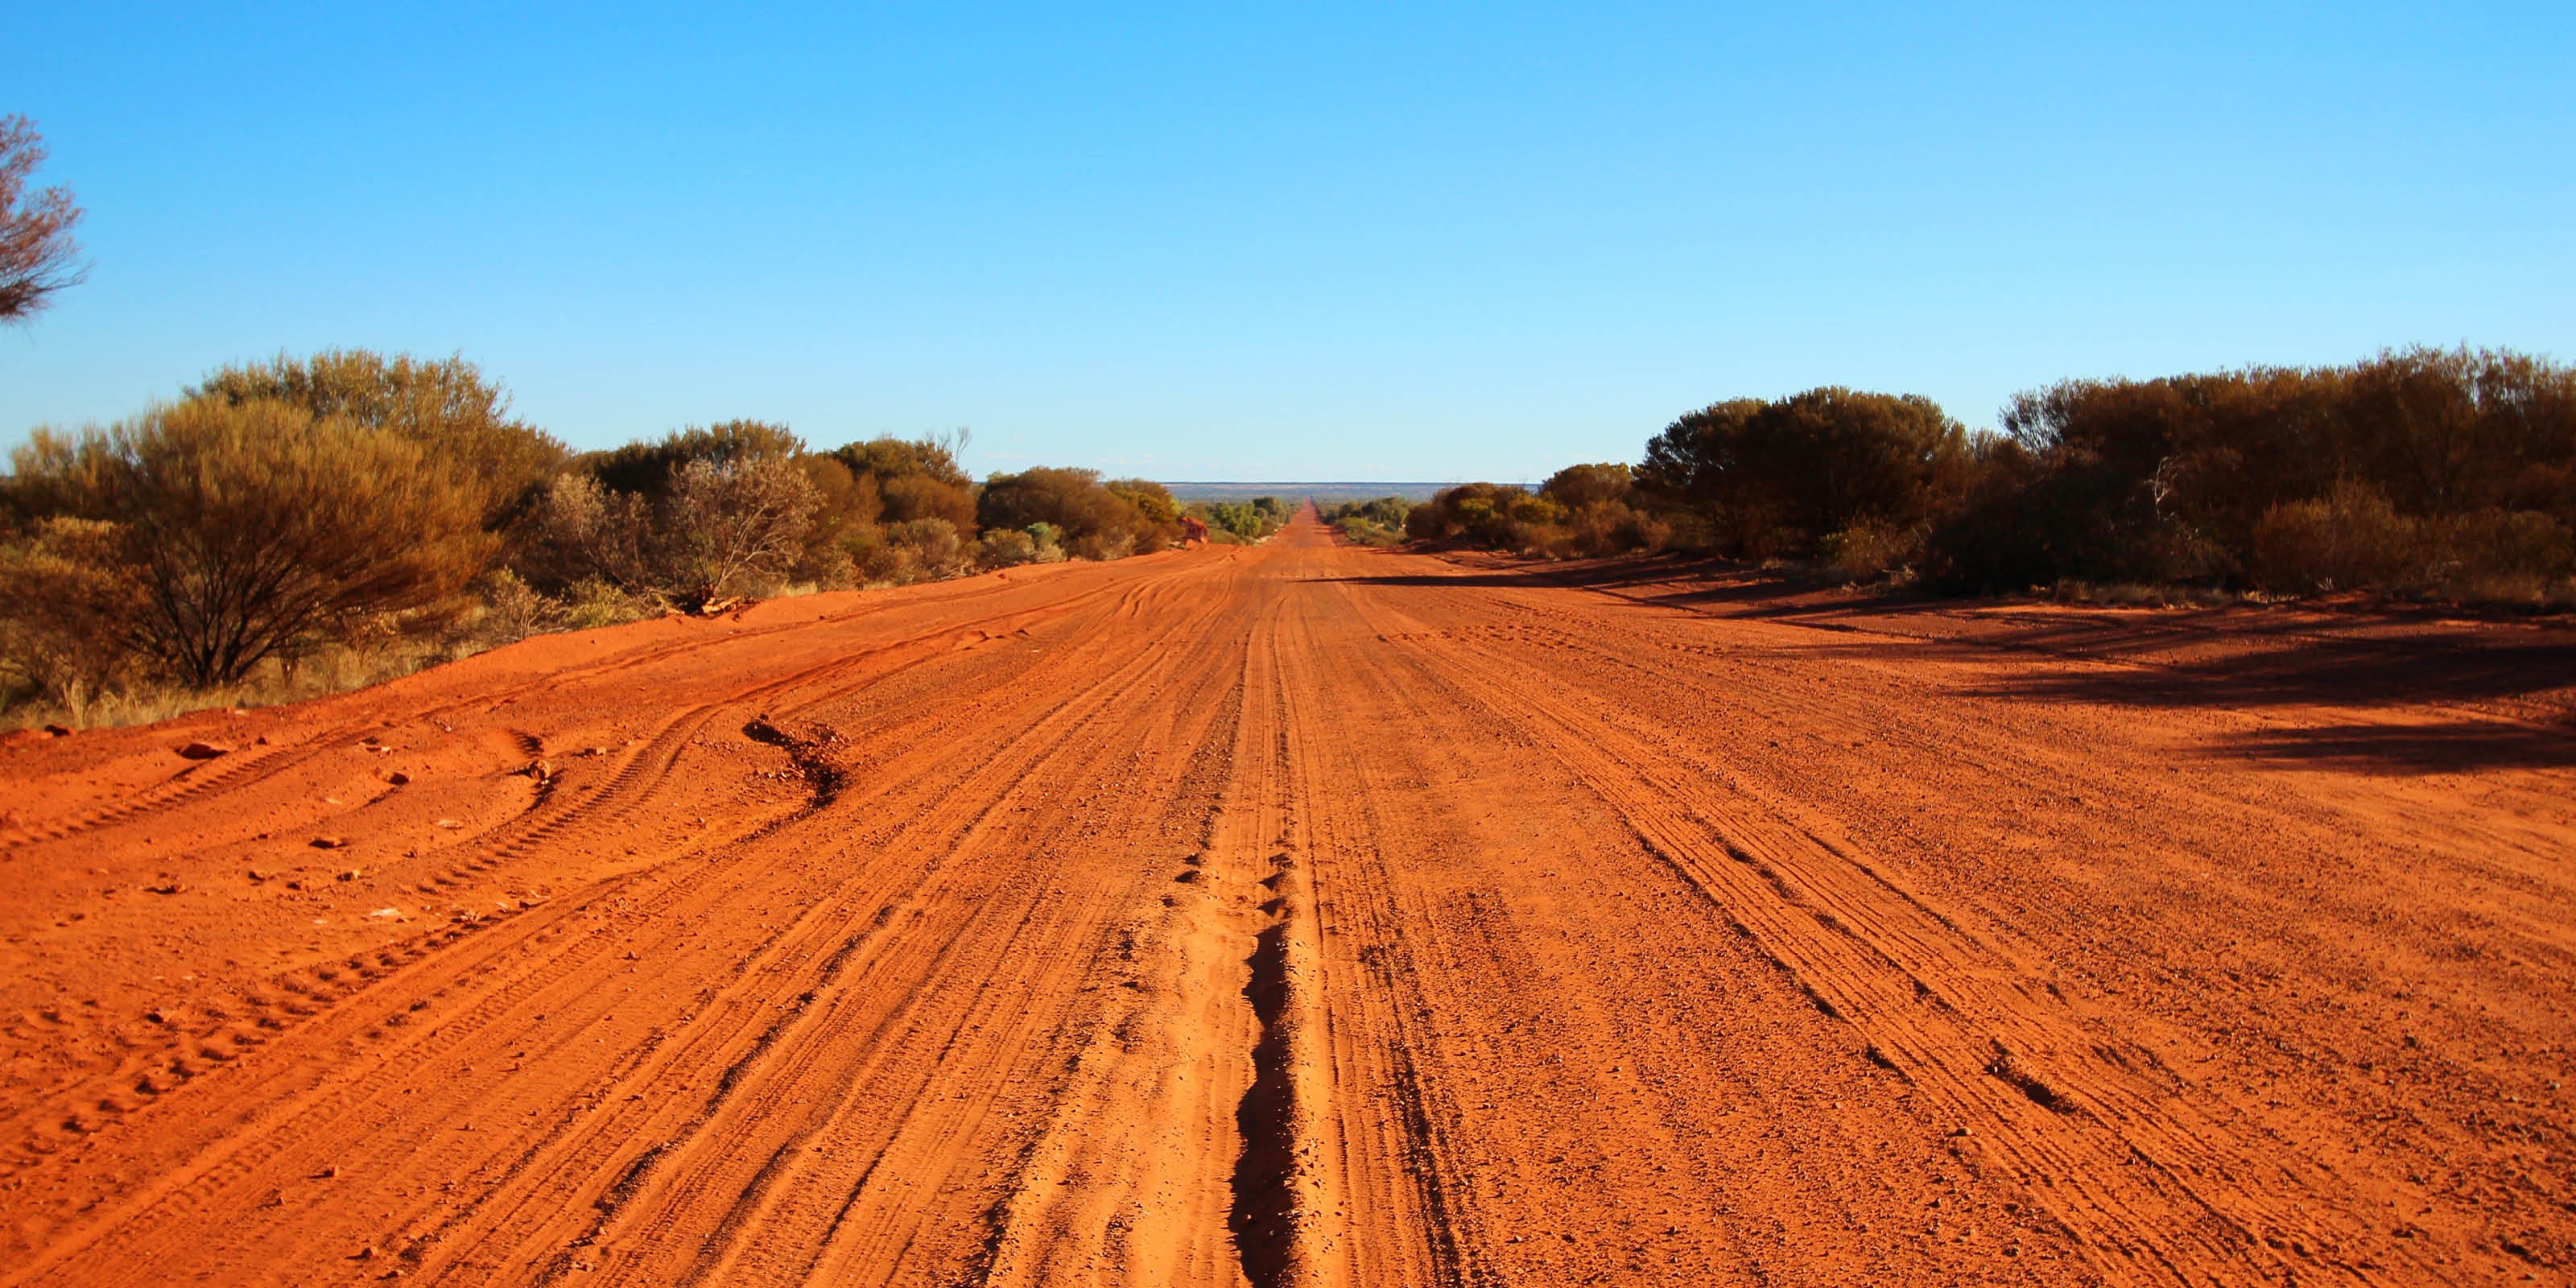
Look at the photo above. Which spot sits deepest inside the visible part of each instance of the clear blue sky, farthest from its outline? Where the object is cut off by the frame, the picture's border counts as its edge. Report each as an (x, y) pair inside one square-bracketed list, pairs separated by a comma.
[(1298, 241)]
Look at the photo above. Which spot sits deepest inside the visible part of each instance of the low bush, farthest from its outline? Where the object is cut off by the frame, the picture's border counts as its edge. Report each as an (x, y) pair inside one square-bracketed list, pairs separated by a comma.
[(1095, 520), (1773, 479), (221, 534), (1582, 511), (1236, 522), (1370, 523), (2422, 471), (447, 407), (697, 516), (1011, 547), (2349, 538), (1869, 549)]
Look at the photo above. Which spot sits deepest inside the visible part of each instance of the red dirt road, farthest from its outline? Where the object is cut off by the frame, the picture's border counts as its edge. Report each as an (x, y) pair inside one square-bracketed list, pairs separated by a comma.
[(1306, 915)]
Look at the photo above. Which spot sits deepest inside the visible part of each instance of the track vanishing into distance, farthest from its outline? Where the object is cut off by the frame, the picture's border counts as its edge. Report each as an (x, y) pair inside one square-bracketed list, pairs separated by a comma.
[(1310, 915)]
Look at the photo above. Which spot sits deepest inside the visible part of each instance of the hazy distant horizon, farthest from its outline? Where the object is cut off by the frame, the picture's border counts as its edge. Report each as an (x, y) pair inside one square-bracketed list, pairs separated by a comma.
[(1299, 489)]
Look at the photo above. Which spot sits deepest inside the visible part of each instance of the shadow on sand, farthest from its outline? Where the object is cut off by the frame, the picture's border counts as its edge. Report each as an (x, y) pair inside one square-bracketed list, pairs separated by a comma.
[(2419, 749), (2175, 659)]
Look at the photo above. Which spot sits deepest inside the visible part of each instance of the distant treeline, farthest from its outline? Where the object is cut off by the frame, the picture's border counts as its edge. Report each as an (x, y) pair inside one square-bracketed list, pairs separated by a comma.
[(2441, 473), (355, 504)]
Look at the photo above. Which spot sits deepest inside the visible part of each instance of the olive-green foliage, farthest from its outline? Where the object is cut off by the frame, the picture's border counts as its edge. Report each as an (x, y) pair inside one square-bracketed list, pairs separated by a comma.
[(1497, 516), (648, 467), (1151, 499), (846, 510), (2354, 538), (915, 479), (1385, 511), (1096, 522), (1604, 514), (1011, 547), (1777, 478), (1241, 521), (918, 550), (447, 407), (2427, 469), (233, 532), (1370, 523), (888, 511), (66, 609), (1577, 486), (697, 515)]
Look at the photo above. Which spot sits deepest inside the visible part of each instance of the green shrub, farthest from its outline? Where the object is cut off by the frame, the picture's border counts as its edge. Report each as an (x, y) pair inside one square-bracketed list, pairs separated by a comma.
[(593, 602), (1869, 549), (1097, 521), (1235, 522), (915, 479), (2350, 539), (1006, 548), (1773, 479), (71, 605), (250, 530), (448, 408), (728, 514)]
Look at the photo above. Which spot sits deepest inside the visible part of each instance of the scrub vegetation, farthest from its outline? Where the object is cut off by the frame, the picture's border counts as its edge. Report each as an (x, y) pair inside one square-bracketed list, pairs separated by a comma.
[(1242, 522), (300, 524), (304, 524), (2444, 474)]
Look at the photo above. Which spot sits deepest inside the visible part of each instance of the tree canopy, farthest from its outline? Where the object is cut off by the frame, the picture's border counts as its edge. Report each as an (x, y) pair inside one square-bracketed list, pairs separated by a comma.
[(447, 407), (37, 254)]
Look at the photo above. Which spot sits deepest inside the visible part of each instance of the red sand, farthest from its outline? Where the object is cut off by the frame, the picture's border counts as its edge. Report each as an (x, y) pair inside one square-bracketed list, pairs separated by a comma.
[(1313, 915)]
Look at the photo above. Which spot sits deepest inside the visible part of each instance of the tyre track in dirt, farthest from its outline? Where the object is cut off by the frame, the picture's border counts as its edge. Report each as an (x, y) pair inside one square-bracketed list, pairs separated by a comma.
[(550, 812), (1976, 1030), (1293, 916), (561, 963), (1465, 1022), (2241, 1154)]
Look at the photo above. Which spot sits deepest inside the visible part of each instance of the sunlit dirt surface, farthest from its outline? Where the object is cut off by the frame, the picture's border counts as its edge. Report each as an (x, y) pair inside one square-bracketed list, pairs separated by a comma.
[(1313, 915)]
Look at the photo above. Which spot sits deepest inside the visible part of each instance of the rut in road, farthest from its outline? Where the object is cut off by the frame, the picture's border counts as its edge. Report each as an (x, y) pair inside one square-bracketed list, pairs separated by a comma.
[(1278, 917)]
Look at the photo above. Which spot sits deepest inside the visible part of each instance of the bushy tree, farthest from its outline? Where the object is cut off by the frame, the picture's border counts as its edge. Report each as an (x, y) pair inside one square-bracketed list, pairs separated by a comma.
[(734, 526), (2276, 476), (1578, 486), (447, 407), (244, 531), (1241, 520), (1484, 513), (915, 478), (846, 511), (37, 254), (582, 530), (1380, 522), (1777, 478), (1096, 522), (2447, 432), (67, 608), (1150, 499), (697, 515)]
